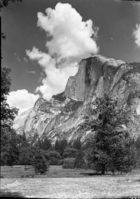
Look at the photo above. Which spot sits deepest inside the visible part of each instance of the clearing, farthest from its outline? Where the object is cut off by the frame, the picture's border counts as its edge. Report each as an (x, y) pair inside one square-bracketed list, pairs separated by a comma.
[(68, 183)]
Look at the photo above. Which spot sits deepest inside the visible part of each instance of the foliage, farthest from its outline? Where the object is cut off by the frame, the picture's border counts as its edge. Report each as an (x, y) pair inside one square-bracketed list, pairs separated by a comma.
[(137, 145), (46, 144), (40, 163), (7, 114), (9, 147), (77, 144), (54, 157), (70, 153), (60, 146), (5, 3), (110, 148), (9, 139), (25, 156), (68, 163), (79, 161)]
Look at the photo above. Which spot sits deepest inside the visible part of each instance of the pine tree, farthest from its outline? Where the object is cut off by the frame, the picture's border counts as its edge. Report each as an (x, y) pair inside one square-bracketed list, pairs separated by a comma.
[(111, 148), (40, 163), (77, 144)]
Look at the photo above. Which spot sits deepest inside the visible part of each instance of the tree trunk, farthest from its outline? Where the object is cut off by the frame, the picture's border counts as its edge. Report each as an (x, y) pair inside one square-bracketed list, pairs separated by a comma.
[(103, 170)]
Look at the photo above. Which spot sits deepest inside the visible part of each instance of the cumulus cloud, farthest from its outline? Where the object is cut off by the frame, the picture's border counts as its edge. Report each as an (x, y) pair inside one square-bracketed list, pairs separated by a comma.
[(136, 34), (56, 78), (70, 40), (22, 99), (71, 35), (136, 31)]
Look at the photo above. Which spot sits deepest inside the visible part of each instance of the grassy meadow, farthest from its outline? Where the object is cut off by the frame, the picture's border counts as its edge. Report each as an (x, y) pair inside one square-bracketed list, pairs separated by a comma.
[(67, 183)]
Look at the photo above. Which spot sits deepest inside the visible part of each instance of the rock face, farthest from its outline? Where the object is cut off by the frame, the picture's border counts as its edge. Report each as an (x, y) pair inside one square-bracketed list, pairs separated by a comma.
[(61, 116)]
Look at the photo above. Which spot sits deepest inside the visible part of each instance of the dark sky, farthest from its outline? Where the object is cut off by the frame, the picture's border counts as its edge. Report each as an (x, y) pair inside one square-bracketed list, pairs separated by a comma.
[(116, 21)]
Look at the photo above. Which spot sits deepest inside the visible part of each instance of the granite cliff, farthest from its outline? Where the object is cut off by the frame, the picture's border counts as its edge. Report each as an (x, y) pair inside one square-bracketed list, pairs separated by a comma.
[(61, 116)]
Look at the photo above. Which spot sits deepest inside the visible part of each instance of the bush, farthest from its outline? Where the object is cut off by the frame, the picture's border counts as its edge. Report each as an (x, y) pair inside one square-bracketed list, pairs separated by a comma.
[(70, 153), (61, 162), (54, 157), (40, 164), (53, 154), (54, 161), (79, 161), (69, 163)]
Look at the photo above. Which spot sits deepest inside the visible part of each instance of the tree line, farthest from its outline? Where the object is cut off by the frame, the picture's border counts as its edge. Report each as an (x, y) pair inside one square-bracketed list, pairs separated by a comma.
[(110, 147)]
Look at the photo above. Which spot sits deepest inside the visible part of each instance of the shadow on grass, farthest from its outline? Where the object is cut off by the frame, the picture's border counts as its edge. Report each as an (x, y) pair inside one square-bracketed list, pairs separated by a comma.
[(91, 174), (7, 194), (127, 197)]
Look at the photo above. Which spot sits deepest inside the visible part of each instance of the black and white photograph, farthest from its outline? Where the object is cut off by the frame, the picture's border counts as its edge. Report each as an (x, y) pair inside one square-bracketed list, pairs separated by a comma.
[(70, 99)]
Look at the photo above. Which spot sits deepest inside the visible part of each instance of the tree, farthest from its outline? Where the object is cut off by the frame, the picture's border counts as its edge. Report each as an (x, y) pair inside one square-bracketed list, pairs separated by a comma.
[(7, 114), (77, 144), (137, 145), (110, 148), (70, 153), (25, 156), (54, 157), (79, 161), (46, 144), (8, 140), (40, 163), (60, 146), (9, 147), (5, 3)]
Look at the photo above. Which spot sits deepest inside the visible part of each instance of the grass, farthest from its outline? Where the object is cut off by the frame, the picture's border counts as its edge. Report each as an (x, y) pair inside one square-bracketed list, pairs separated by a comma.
[(54, 172), (69, 183)]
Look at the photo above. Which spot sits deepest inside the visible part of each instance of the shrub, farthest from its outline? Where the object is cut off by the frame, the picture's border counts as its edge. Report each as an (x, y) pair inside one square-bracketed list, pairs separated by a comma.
[(69, 163), (61, 162), (54, 157), (79, 161), (53, 154), (40, 164), (54, 161), (70, 153)]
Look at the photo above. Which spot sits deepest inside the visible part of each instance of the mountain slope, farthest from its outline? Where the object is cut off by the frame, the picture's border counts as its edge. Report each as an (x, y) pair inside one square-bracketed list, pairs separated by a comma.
[(61, 116)]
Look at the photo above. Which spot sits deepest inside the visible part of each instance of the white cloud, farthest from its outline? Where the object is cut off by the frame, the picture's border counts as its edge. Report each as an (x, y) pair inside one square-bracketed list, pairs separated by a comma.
[(22, 99), (136, 34), (56, 78), (71, 40), (71, 35), (136, 31)]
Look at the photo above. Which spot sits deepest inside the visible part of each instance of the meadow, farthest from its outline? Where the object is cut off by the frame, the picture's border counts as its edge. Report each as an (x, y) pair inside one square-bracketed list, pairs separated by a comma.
[(67, 183)]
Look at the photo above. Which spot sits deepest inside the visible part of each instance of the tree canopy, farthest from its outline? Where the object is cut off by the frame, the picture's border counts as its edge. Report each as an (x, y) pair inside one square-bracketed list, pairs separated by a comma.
[(7, 114), (110, 149)]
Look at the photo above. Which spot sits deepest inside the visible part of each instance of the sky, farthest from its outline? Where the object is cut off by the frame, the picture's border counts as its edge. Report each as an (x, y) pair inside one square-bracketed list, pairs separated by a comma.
[(46, 39)]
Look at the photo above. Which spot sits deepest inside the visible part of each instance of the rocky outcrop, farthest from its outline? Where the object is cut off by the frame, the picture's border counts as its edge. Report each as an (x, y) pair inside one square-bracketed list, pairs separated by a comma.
[(61, 116)]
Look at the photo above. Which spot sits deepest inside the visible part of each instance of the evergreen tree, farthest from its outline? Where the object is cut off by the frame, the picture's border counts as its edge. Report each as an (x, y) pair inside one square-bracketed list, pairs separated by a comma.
[(7, 114), (60, 146), (70, 153), (40, 163), (9, 147), (46, 144), (79, 161), (111, 148), (57, 146), (77, 144)]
